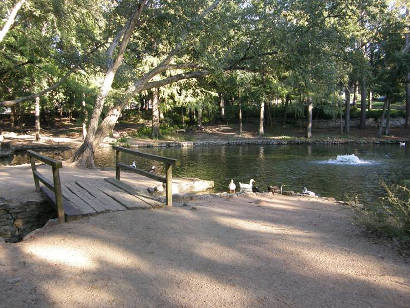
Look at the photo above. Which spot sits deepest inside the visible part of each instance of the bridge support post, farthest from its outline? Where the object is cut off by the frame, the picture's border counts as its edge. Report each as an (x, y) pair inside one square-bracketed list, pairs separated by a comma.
[(168, 168), (58, 195)]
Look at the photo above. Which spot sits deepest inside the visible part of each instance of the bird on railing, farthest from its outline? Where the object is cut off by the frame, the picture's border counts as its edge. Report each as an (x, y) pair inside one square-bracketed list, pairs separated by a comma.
[(232, 186), (134, 164), (246, 187), (402, 144)]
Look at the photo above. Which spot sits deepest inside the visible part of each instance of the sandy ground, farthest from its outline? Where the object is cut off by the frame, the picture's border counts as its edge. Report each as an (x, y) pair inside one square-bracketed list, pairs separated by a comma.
[(250, 251)]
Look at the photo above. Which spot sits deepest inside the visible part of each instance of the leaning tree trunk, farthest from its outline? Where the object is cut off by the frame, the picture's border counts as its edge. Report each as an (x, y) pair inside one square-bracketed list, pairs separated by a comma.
[(309, 118), (261, 118), (10, 19), (380, 131), (363, 105), (84, 156), (155, 114), (37, 118), (347, 111)]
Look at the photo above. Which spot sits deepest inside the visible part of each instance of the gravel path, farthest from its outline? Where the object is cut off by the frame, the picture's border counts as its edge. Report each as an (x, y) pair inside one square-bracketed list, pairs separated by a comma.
[(253, 251)]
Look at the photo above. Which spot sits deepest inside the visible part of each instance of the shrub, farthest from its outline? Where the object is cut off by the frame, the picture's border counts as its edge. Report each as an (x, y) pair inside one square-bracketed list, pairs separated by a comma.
[(391, 215)]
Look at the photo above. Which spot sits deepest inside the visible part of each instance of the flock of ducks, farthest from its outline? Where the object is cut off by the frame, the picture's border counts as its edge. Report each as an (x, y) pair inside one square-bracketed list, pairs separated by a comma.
[(244, 187)]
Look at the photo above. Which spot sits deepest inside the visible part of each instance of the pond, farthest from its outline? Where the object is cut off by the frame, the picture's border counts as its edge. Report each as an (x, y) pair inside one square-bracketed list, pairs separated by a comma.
[(296, 166)]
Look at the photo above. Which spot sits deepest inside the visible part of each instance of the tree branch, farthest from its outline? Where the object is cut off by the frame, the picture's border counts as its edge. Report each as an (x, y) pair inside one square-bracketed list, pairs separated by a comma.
[(13, 102), (10, 19)]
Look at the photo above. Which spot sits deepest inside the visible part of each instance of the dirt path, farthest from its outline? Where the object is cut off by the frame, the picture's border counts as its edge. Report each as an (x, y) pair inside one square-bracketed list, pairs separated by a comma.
[(241, 252)]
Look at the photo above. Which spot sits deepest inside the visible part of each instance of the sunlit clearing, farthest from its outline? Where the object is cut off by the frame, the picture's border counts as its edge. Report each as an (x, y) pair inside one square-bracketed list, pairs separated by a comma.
[(256, 226), (62, 255), (84, 254)]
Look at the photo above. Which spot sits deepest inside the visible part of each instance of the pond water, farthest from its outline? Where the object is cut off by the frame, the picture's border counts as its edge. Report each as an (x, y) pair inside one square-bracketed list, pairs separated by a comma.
[(316, 167)]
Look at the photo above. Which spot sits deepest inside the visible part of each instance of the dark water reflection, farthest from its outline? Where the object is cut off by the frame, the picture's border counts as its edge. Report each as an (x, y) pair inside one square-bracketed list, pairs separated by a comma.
[(295, 166)]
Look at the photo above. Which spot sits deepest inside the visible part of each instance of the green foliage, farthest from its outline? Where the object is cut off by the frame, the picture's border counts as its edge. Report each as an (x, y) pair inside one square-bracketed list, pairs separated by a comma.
[(391, 216)]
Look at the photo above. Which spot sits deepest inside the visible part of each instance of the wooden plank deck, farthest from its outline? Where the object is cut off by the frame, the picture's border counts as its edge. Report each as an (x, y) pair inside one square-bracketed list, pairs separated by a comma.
[(98, 196)]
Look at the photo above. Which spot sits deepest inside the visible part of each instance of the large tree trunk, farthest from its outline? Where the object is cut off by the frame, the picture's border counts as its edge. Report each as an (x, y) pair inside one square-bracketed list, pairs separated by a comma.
[(341, 118), (381, 124), (84, 156), (309, 118), (13, 117), (387, 129), (363, 105), (200, 116), (261, 118), (85, 114), (354, 94), (240, 116), (222, 106), (347, 111), (155, 114), (10, 19), (37, 118), (408, 80), (370, 102)]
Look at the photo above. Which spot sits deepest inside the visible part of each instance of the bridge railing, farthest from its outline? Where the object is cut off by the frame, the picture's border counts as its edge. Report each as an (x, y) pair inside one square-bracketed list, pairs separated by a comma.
[(168, 163), (54, 186)]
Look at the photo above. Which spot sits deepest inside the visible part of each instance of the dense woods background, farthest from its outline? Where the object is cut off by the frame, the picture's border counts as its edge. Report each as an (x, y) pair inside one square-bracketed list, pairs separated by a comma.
[(180, 63)]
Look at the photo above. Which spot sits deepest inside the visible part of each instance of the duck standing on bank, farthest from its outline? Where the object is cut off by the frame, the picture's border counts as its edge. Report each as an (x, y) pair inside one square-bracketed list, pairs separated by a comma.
[(308, 192), (246, 187), (232, 187)]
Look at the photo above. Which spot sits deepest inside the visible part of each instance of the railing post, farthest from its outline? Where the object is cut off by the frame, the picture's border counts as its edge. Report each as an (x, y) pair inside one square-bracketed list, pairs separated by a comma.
[(168, 168), (117, 168), (33, 168), (58, 195)]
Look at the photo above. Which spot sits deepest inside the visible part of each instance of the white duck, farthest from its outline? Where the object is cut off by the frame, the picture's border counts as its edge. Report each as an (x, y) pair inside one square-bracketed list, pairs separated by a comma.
[(402, 144), (152, 170), (232, 186), (308, 192), (134, 164), (246, 187)]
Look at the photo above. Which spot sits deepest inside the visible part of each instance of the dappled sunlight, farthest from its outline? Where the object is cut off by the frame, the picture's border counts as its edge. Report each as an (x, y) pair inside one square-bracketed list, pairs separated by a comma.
[(84, 254), (221, 254), (62, 256), (258, 226), (82, 293)]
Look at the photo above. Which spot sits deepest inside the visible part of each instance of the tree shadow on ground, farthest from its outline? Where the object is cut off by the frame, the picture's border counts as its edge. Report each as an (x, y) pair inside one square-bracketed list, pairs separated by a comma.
[(247, 252)]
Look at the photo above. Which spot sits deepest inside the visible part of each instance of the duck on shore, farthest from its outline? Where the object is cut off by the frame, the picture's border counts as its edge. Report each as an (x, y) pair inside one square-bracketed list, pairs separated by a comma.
[(308, 192), (232, 187), (246, 187)]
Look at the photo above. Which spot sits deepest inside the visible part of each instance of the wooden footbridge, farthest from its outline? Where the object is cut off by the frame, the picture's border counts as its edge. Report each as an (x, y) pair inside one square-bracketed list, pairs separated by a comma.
[(93, 196)]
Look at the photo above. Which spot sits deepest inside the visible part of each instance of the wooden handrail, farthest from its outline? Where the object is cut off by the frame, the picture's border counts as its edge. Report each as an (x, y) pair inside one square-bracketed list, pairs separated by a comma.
[(171, 161), (47, 160), (168, 162), (55, 186)]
